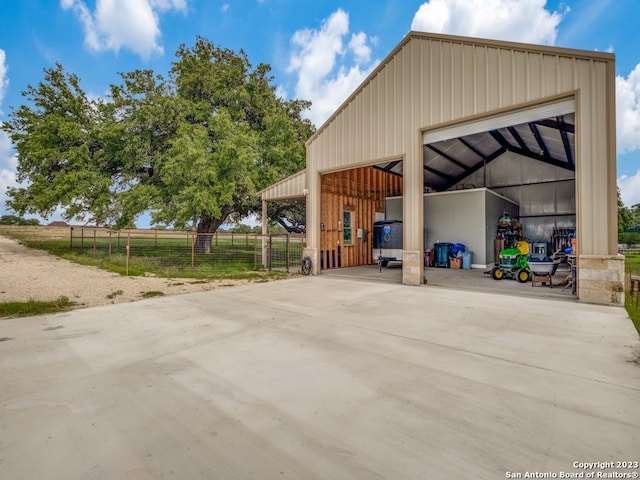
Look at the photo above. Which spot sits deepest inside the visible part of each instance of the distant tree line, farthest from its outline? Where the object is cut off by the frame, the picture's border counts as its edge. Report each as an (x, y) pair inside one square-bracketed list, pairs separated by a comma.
[(628, 223), (15, 220)]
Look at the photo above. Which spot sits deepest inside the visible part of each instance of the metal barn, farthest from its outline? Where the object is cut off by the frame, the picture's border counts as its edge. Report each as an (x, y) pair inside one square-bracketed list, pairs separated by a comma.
[(533, 124)]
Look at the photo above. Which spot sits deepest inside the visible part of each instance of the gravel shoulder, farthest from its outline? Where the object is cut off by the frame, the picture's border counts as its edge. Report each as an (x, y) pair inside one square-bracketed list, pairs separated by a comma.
[(31, 274)]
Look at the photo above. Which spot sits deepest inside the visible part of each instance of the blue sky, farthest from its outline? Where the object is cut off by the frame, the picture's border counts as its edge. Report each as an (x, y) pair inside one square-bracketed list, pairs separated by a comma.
[(318, 50)]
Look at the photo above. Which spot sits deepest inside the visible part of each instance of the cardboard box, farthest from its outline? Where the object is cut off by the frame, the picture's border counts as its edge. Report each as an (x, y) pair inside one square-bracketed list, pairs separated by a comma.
[(455, 263)]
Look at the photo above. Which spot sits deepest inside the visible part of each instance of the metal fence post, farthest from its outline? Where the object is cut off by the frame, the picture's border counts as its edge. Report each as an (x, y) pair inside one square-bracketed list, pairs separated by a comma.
[(128, 247), (110, 234), (71, 239), (269, 250), (94, 243), (82, 241), (193, 251)]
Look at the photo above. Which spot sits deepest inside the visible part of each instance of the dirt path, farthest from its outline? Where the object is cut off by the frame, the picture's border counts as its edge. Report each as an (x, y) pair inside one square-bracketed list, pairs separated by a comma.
[(29, 274)]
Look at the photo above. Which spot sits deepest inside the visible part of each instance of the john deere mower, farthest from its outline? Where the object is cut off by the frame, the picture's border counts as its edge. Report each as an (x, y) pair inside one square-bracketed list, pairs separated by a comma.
[(513, 263)]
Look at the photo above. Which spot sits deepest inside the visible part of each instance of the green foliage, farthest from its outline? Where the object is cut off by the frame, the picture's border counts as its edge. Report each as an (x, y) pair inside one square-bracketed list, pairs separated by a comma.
[(632, 267), (34, 307), (635, 220), (626, 217), (289, 216), (15, 220), (629, 238), (245, 229), (632, 264), (59, 147), (192, 148), (212, 135)]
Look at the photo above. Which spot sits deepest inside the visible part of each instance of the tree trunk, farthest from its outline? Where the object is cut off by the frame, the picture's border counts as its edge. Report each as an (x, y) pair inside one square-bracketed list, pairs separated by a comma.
[(207, 226)]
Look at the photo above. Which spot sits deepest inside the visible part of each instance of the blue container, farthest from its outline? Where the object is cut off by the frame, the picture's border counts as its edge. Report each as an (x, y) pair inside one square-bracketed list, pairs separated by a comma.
[(466, 260), (442, 252)]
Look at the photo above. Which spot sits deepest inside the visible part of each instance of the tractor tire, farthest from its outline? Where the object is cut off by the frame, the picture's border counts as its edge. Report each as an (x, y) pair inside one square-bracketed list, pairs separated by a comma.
[(306, 266), (497, 273), (523, 275)]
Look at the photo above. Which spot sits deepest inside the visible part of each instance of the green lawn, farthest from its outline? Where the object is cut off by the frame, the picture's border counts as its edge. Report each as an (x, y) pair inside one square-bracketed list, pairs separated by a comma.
[(632, 267), (167, 258)]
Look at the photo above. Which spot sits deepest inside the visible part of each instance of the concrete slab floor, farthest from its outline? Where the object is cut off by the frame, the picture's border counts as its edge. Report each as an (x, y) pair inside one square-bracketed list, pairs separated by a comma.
[(471, 279), (319, 377)]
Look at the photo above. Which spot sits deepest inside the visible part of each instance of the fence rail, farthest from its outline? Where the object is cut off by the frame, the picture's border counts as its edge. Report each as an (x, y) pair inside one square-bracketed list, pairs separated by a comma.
[(174, 251)]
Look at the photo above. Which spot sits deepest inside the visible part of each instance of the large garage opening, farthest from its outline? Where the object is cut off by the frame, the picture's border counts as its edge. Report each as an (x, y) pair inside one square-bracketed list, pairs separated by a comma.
[(517, 168), (352, 201)]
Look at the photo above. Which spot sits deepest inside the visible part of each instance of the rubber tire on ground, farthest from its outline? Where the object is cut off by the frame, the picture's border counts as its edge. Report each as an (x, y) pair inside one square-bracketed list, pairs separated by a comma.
[(306, 266), (523, 275), (497, 273)]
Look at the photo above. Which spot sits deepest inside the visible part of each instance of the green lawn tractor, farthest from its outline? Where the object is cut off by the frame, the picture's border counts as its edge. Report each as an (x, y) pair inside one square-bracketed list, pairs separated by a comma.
[(513, 264)]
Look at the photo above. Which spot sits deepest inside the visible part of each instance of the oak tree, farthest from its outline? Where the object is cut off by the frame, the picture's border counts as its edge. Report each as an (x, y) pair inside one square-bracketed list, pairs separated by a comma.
[(191, 148)]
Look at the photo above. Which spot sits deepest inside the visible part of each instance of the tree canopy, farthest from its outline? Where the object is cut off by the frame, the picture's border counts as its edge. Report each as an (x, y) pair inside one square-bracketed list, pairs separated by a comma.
[(627, 218), (14, 220), (192, 147)]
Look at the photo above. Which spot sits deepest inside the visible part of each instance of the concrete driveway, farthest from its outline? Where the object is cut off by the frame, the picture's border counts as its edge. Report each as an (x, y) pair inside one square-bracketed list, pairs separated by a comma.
[(320, 377)]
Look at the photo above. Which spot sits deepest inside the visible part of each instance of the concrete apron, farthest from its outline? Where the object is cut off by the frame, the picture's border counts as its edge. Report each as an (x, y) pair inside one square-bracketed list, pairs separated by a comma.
[(320, 377)]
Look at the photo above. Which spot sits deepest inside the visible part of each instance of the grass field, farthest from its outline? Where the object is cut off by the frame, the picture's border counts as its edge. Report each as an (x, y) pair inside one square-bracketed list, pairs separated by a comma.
[(632, 267), (167, 253)]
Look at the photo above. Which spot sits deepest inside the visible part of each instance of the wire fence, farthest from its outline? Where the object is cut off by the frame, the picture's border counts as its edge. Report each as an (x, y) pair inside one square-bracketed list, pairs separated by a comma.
[(170, 252)]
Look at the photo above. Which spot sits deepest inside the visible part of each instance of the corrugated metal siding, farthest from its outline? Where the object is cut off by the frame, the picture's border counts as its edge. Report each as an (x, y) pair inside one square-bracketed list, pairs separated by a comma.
[(431, 80), (290, 187)]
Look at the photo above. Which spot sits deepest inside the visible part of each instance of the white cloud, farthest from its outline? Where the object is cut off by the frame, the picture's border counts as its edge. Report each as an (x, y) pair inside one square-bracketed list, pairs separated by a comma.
[(628, 111), (358, 45), (628, 131), (8, 161), (166, 5), (84, 15), (630, 189), (4, 80), (8, 168), (129, 24), (514, 20), (315, 57)]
